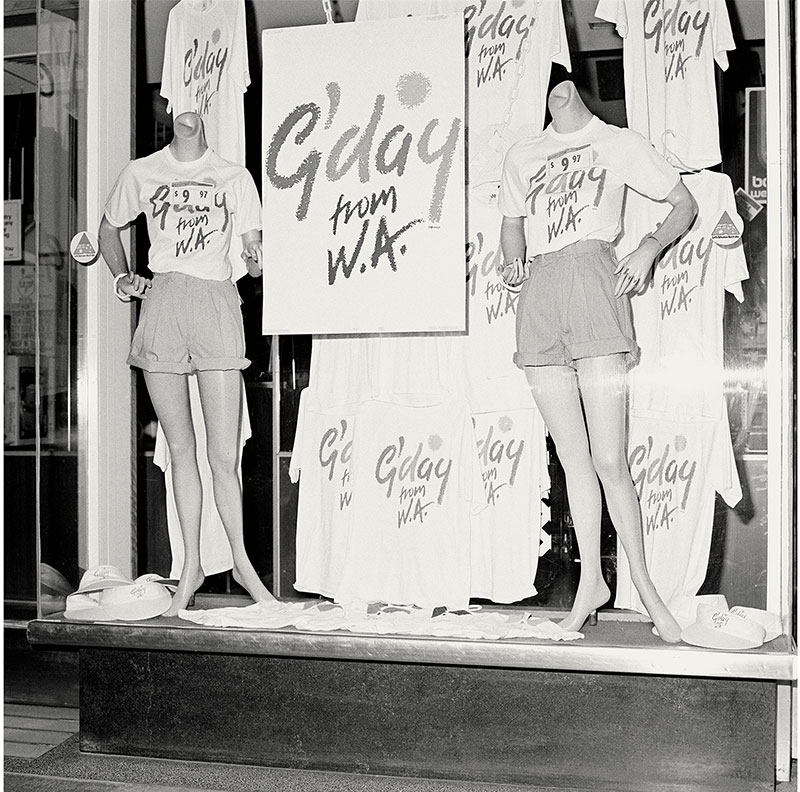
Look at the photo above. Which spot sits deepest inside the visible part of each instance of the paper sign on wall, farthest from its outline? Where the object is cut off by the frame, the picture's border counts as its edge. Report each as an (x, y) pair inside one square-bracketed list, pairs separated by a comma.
[(12, 230), (363, 177)]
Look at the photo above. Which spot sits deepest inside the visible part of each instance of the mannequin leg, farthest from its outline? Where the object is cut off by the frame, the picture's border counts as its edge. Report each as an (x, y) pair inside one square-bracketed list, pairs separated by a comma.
[(555, 390), (603, 390), (170, 396), (221, 399)]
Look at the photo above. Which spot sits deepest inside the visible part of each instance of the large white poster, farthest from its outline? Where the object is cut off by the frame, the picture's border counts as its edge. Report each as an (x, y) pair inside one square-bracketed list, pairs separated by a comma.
[(363, 177)]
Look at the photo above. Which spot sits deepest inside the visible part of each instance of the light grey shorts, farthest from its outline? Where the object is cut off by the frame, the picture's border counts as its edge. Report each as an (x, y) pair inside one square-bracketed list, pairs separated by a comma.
[(189, 324), (567, 309)]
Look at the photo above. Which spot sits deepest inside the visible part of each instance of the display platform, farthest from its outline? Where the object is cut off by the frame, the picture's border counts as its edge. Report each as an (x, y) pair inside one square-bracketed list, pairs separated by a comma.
[(617, 710)]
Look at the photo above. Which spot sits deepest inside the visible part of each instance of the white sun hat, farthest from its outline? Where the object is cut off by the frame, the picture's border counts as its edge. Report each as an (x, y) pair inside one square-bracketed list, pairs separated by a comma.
[(102, 577), (153, 577), (771, 622), (722, 629), (136, 602), (86, 607)]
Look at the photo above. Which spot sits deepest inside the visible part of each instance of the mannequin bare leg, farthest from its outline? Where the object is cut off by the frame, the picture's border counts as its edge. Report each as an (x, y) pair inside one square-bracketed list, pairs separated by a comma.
[(555, 390), (170, 396), (576, 407), (221, 400), (603, 390)]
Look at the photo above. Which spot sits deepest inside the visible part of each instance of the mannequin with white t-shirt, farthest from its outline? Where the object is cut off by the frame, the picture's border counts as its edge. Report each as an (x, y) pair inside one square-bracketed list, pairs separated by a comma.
[(562, 196), (191, 323)]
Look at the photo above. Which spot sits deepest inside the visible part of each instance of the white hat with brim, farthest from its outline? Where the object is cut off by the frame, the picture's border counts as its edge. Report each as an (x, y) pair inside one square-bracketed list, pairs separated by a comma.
[(771, 622), (102, 577), (86, 607), (721, 629), (153, 577), (684, 608), (136, 602)]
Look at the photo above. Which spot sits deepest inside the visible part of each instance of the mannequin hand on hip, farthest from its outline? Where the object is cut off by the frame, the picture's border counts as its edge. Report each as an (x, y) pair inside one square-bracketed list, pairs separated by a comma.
[(634, 270), (252, 256)]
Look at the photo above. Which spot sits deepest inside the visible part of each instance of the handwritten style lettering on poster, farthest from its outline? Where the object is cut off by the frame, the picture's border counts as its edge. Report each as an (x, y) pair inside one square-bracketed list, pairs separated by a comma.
[(680, 31), (363, 177)]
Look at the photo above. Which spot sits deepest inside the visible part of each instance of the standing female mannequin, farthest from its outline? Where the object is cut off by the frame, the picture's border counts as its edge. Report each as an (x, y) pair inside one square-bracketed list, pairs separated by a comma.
[(191, 322), (562, 200)]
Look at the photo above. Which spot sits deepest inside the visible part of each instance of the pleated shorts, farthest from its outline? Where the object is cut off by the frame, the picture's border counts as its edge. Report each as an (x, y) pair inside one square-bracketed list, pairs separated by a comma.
[(567, 309), (189, 324)]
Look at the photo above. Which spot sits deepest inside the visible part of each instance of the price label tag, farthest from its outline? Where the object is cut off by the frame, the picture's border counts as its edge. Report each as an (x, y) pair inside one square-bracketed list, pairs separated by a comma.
[(577, 159), (197, 194)]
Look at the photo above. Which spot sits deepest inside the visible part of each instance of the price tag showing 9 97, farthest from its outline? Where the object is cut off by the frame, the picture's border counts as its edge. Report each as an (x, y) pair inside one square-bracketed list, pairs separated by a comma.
[(577, 159), (194, 194)]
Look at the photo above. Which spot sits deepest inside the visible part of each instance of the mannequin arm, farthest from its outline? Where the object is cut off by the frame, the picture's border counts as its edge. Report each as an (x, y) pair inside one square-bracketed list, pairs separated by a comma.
[(634, 270), (113, 252), (252, 253), (512, 245)]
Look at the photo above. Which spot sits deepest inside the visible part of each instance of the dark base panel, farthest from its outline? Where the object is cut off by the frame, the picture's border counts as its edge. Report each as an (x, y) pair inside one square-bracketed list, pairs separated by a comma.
[(602, 731)]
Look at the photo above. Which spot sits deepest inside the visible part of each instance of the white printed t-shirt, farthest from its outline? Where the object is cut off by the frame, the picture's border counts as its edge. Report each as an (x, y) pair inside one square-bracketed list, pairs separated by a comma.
[(677, 469), (506, 535), (206, 72), (509, 47), (416, 480), (321, 461), (679, 318), (669, 51), (571, 186), (192, 210)]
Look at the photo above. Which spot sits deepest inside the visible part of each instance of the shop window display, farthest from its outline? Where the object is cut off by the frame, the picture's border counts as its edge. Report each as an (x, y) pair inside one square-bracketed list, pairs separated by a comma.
[(281, 368)]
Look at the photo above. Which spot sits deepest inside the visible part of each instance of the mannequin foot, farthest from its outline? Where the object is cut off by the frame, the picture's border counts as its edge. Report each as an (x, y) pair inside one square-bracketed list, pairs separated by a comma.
[(587, 600), (187, 586), (668, 628), (249, 580)]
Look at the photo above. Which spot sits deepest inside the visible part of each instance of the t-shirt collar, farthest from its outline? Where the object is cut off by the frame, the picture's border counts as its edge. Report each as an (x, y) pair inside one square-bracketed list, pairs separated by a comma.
[(185, 163), (589, 128)]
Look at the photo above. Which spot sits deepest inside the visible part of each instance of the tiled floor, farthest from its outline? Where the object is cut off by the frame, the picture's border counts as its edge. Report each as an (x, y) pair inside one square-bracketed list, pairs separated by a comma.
[(30, 730)]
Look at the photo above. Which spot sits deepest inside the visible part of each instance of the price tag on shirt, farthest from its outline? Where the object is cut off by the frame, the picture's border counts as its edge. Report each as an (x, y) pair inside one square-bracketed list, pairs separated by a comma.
[(576, 159), (197, 194)]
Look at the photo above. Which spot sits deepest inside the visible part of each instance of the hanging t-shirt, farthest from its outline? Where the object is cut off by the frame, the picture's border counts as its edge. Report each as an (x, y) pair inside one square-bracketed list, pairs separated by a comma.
[(506, 534), (192, 210), (679, 318), (668, 54), (416, 481), (571, 186), (677, 469), (206, 71), (321, 461), (509, 47)]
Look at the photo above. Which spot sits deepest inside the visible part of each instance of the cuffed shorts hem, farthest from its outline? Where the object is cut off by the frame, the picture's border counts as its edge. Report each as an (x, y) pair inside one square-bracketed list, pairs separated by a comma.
[(588, 349), (206, 364)]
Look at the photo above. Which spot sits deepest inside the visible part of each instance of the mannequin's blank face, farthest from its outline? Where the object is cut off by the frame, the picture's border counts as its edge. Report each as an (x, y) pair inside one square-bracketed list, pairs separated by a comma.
[(188, 125), (561, 96)]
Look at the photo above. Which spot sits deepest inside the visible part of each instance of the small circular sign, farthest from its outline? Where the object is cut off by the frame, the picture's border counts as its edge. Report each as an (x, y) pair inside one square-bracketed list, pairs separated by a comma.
[(84, 247)]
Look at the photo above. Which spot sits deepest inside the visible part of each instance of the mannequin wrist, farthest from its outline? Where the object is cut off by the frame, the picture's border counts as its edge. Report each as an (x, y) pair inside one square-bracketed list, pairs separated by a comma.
[(655, 239), (120, 295)]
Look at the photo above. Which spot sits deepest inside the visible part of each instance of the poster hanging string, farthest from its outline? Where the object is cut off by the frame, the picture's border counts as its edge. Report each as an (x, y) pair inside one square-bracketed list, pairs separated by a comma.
[(521, 63)]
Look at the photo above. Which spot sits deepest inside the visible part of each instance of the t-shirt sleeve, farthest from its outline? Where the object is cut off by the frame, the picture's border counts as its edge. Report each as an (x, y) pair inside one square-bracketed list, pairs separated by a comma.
[(721, 33), (736, 269), (240, 70), (614, 11), (558, 37), (166, 69), (642, 168), (247, 216), (512, 186), (123, 203)]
